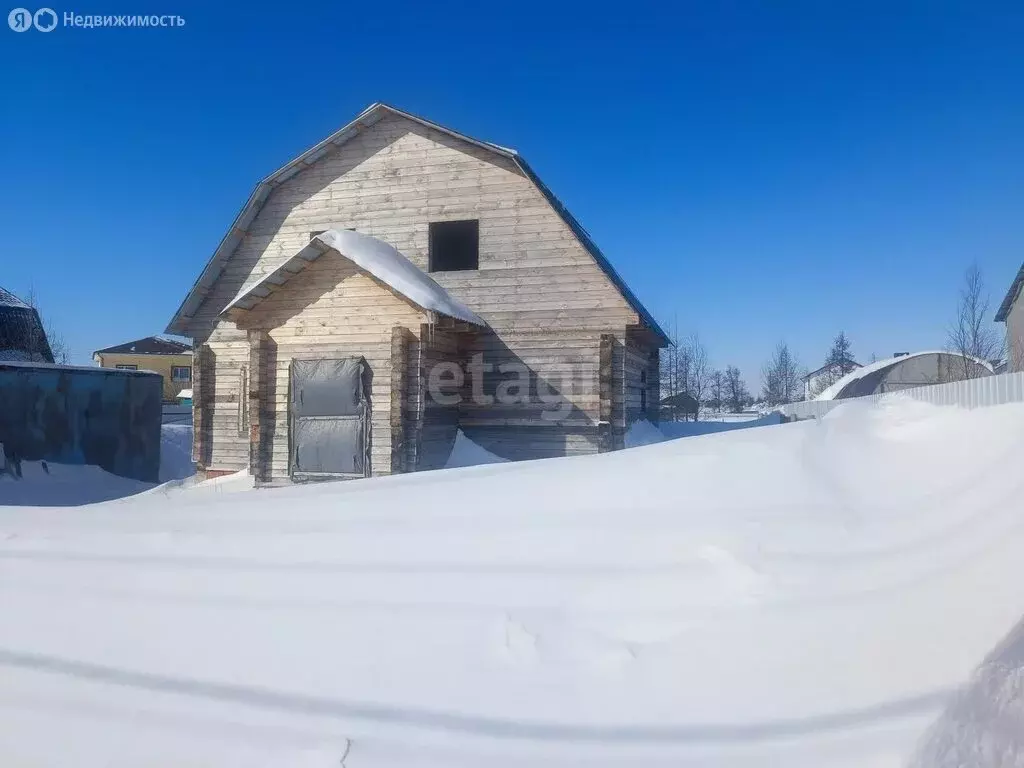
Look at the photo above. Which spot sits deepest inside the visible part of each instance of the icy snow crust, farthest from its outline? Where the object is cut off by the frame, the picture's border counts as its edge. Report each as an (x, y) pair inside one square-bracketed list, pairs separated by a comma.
[(808, 594)]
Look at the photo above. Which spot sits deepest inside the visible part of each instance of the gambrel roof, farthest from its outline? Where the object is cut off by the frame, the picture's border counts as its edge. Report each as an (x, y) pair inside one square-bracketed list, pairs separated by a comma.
[(365, 119)]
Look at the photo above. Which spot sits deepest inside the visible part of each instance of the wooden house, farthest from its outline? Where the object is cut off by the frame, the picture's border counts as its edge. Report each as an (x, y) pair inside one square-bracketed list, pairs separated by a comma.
[(397, 282)]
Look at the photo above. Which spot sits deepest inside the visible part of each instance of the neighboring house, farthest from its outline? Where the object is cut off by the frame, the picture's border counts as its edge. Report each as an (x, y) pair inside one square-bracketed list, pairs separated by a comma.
[(171, 359), (906, 371), (824, 377), (22, 338), (679, 405), (398, 282), (1011, 312)]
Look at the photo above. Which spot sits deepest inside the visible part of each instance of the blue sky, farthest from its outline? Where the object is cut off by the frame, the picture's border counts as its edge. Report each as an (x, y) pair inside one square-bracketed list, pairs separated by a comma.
[(756, 171)]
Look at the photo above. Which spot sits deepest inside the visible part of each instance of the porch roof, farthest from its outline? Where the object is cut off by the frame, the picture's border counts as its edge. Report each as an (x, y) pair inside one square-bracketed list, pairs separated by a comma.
[(374, 256)]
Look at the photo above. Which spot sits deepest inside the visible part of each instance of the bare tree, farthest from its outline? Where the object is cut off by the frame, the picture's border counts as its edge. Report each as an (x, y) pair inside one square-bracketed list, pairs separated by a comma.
[(698, 370), (771, 388), (717, 389), (736, 394), (58, 346), (790, 373), (970, 334), (781, 374), (674, 366)]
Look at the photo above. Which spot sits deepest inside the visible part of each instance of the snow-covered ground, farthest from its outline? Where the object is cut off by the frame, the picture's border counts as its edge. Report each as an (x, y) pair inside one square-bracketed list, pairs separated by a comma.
[(176, 452), (645, 433), (806, 594)]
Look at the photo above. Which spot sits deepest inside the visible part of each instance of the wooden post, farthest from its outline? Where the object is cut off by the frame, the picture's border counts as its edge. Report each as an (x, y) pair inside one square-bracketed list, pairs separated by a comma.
[(654, 387), (399, 393), (257, 383), (200, 408), (605, 371)]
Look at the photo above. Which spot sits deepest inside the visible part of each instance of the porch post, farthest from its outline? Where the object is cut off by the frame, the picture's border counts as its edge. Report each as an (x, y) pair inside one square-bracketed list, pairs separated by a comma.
[(399, 395), (200, 409), (257, 380), (604, 374)]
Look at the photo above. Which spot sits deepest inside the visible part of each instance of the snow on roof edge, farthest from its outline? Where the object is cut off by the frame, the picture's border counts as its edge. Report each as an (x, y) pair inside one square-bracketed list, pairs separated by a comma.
[(391, 266), (375, 256)]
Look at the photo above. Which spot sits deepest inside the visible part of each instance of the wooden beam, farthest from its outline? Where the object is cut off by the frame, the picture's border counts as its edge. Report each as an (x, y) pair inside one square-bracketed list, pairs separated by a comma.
[(202, 366), (399, 388), (257, 386), (605, 383)]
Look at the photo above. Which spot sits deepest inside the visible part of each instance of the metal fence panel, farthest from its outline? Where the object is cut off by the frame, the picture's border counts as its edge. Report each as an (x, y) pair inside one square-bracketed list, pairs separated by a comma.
[(67, 415), (972, 393)]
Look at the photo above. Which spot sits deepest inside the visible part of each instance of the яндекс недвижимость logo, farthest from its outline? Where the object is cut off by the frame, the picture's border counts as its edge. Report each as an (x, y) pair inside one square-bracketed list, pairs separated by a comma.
[(46, 20), (22, 19)]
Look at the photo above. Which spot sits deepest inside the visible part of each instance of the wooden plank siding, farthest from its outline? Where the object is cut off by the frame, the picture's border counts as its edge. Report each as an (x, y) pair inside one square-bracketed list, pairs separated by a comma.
[(547, 301), (640, 379)]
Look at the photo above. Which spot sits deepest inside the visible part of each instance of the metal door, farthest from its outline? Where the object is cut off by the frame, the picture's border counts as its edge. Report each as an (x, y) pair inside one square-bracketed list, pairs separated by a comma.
[(329, 414)]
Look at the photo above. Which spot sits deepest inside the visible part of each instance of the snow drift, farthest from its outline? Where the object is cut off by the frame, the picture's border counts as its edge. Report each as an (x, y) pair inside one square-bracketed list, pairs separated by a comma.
[(48, 484), (644, 432), (803, 595)]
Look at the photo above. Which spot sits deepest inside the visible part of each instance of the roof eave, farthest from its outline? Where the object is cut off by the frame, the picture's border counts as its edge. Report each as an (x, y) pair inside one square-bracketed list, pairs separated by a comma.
[(584, 237), (1011, 296)]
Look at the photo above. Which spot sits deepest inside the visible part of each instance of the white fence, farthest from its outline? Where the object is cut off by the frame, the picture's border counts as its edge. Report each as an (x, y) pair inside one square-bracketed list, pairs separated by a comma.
[(973, 393)]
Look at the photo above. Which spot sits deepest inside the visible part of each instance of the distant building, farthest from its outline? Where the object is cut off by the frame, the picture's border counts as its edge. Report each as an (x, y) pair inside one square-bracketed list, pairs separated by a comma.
[(1011, 312), (682, 405), (22, 338), (171, 359), (905, 371), (816, 381)]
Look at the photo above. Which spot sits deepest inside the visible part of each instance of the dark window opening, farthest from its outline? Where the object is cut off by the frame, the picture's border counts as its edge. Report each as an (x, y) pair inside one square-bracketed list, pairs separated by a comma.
[(454, 245)]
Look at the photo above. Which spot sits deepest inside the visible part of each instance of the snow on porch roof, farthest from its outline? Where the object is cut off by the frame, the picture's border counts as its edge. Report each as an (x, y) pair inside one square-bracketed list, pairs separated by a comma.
[(380, 259)]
